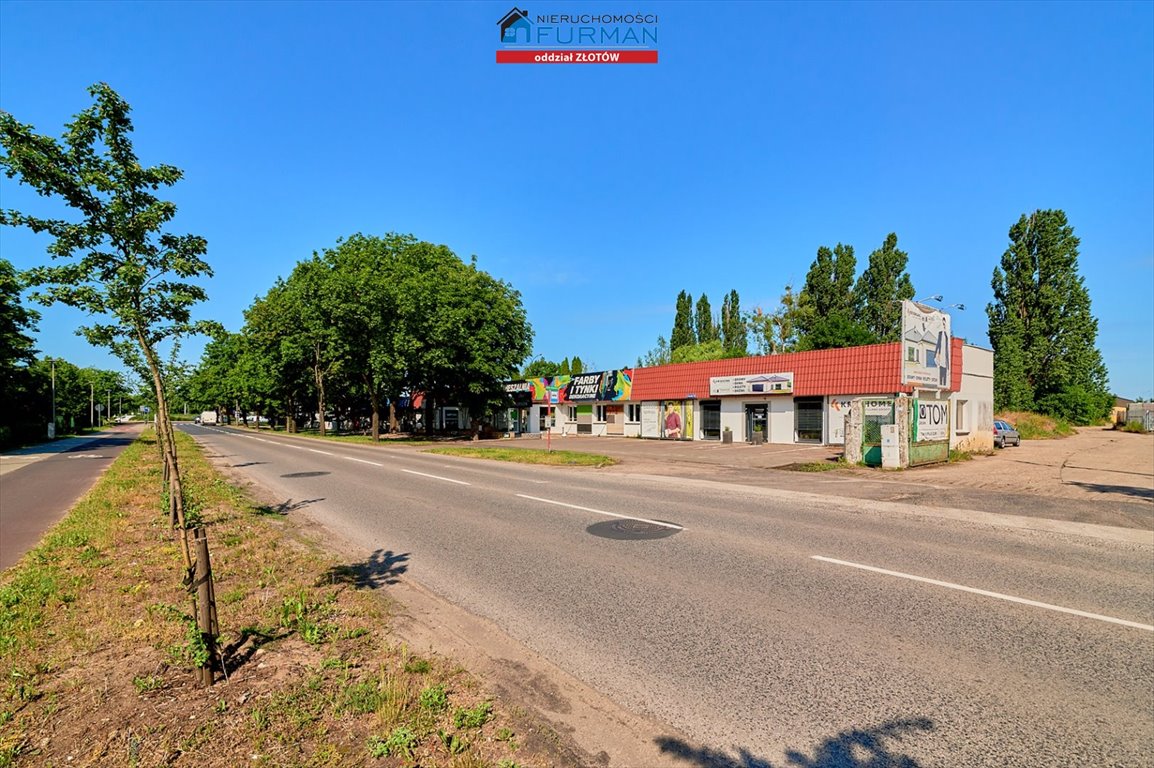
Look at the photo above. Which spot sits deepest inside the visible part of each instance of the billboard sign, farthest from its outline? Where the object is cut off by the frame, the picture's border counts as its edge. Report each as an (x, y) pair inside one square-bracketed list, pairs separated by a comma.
[(925, 346), (755, 384)]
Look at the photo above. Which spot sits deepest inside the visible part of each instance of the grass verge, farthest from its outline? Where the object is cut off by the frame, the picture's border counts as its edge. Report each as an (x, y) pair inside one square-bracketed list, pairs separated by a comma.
[(529, 456), (816, 466), (96, 658)]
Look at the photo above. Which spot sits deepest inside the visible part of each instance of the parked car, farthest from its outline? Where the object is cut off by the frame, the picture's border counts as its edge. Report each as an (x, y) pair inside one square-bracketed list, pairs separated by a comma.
[(1005, 434)]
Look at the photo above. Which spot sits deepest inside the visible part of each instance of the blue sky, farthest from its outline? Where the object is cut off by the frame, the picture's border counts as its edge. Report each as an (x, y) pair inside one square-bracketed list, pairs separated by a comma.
[(599, 192)]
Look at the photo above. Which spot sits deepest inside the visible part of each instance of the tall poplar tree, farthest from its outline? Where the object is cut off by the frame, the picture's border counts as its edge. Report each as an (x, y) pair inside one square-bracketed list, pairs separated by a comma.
[(734, 331), (683, 335), (826, 305), (1041, 328), (707, 329), (881, 289)]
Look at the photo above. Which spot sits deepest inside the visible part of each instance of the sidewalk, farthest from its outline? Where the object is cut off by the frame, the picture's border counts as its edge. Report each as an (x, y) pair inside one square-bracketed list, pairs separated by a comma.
[(10, 461)]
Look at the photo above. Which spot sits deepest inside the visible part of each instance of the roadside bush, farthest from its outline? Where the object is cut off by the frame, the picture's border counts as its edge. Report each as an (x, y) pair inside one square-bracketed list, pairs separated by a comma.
[(1134, 426), (1037, 426)]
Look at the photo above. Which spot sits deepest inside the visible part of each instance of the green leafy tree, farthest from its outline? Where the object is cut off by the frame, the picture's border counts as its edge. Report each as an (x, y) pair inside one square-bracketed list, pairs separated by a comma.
[(576, 366), (17, 352), (683, 334), (659, 355), (696, 353), (540, 367), (564, 369), (707, 329), (313, 303), (1041, 327), (734, 330), (121, 266), (826, 304), (881, 289)]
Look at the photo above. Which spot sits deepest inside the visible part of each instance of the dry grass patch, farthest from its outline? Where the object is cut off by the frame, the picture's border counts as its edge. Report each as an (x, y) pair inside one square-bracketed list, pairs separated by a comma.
[(96, 658), (1037, 426), (529, 456)]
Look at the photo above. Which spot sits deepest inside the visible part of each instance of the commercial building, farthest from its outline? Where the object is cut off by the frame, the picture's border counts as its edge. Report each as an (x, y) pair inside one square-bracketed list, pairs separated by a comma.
[(801, 397)]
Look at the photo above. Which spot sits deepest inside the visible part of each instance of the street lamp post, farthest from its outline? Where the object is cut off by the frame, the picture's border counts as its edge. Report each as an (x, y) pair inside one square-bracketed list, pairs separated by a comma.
[(52, 430)]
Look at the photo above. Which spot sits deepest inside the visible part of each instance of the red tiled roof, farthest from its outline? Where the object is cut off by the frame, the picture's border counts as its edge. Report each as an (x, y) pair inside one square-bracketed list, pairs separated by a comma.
[(869, 370)]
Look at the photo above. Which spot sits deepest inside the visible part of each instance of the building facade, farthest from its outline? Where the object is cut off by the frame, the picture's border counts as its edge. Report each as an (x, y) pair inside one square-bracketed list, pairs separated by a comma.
[(801, 397)]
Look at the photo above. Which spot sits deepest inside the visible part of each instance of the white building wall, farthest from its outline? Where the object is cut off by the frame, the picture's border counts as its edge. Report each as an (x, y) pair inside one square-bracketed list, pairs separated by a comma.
[(781, 420), (972, 407)]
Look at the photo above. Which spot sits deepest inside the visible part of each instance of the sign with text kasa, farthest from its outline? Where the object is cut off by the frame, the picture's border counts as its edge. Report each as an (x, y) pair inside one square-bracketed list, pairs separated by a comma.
[(577, 37)]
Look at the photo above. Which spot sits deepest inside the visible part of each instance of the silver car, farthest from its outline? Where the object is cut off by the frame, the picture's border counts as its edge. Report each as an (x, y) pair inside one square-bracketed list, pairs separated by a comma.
[(1005, 434)]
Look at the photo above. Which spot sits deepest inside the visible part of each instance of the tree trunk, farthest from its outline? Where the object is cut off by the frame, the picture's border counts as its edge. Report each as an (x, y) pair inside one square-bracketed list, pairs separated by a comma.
[(166, 436), (376, 403), (392, 414)]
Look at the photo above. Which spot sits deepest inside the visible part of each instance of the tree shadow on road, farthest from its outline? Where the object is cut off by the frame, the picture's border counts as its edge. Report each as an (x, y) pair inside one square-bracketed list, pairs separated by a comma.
[(286, 506), (1123, 490), (380, 568), (853, 748)]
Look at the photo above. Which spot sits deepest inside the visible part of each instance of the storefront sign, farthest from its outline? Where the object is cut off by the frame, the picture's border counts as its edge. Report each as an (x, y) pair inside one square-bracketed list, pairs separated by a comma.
[(756, 384), (877, 407), (932, 421)]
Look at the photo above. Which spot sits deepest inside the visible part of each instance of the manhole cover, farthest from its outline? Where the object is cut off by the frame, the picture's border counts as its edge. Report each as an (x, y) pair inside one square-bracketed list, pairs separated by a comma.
[(306, 474), (630, 530)]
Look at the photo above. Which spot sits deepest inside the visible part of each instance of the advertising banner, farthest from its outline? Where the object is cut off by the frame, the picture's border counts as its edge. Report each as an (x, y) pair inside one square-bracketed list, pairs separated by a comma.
[(754, 384), (600, 386), (925, 346), (931, 420)]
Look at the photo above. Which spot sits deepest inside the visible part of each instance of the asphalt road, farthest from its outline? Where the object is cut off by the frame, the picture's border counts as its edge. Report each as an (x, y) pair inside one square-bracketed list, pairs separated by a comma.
[(775, 627), (39, 485)]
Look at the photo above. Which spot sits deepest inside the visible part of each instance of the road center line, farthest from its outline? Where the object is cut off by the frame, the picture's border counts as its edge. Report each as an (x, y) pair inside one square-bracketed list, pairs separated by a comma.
[(987, 593), (436, 477), (363, 461), (314, 450), (603, 512)]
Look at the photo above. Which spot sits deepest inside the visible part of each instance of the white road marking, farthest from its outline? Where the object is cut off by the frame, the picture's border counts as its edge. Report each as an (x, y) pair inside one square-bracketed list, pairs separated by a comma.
[(314, 450), (436, 477), (603, 512), (363, 461), (987, 593)]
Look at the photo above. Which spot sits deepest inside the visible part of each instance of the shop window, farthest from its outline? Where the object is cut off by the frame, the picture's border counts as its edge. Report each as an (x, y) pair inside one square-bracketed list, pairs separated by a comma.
[(571, 411), (599, 413), (809, 419), (452, 419), (961, 426), (633, 412)]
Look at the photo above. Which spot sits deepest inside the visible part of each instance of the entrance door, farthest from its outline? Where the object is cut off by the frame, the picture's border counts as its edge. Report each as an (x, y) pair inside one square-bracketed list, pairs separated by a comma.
[(615, 419), (757, 420), (711, 419)]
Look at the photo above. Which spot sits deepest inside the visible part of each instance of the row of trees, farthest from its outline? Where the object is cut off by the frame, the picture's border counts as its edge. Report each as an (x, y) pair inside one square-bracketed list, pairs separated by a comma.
[(26, 381), (358, 327), (831, 310), (1041, 328), (543, 367)]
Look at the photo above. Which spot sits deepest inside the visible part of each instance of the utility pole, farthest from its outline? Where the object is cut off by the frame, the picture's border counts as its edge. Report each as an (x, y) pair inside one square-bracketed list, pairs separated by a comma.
[(108, 394), (91, 404)]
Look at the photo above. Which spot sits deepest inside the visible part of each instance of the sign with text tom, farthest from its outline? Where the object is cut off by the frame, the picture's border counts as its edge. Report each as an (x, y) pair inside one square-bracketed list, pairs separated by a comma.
[(925, 346)]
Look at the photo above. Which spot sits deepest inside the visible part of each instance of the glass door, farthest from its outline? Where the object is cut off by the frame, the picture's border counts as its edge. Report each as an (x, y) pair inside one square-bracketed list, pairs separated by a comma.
[(757, 423)]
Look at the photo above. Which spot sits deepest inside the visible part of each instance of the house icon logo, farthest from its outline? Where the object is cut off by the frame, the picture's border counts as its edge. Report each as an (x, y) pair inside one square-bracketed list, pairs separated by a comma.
[(512, 24)]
